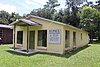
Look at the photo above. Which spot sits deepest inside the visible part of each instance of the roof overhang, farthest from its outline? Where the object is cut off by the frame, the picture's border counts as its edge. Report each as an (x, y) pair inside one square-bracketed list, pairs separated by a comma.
[(5, 26), (24, 22), (32, 16)]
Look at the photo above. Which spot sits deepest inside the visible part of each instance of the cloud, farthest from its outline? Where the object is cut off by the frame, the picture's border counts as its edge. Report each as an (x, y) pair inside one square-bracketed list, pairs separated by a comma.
[(41, 2), (28, 2), (36, 2), (8, 8)]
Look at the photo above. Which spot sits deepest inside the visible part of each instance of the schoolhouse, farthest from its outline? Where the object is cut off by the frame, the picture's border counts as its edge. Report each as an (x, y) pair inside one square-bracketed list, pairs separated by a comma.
[(44, 35)]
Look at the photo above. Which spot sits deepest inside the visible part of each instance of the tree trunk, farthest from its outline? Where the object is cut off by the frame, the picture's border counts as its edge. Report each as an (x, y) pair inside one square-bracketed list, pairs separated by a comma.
[(91, 37), (98, 38)]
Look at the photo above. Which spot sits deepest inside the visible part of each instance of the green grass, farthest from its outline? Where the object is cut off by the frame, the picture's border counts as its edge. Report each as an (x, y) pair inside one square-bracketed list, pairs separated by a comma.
[(83, 57)]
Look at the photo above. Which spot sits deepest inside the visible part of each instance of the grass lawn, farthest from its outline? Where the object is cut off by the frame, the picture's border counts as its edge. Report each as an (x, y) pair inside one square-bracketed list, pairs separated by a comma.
[(83, 57)]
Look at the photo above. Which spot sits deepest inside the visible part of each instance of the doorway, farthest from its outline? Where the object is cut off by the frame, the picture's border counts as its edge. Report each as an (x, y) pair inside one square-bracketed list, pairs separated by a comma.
[(32, 40)]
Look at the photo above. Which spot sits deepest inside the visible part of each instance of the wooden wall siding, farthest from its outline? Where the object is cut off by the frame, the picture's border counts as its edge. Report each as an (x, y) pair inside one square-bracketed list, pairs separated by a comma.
[(7, 37)]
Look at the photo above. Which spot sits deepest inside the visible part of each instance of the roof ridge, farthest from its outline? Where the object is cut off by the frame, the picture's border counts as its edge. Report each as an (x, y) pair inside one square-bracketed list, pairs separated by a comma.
[(55, 22)]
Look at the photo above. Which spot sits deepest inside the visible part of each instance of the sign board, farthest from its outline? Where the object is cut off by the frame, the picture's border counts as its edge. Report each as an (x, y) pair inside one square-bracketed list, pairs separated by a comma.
[(54, 36)]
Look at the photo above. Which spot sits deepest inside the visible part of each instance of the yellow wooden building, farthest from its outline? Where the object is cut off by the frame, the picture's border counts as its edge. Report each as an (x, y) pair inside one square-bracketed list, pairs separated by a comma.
[(44, 35)]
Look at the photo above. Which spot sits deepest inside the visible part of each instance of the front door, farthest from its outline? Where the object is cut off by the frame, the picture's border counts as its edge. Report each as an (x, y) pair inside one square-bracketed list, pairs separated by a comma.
[(32, 40)]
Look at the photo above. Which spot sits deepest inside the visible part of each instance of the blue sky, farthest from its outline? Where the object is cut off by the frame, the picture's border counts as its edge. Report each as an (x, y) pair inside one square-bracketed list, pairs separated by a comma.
[(25, 6)]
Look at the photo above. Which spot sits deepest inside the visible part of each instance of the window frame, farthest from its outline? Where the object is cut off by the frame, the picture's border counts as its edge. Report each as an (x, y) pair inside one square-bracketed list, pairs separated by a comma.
[(40, 43), (67, 38), (20, 37)]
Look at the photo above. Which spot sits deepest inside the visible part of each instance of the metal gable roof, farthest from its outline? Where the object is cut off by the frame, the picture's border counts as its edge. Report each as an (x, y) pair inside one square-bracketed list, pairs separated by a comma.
[(5, 26), (56, 22), (38, 24), (27, 22)]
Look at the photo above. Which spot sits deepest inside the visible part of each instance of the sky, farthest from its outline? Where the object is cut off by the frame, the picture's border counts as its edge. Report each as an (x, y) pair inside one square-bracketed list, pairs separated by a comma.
[(26, 6)]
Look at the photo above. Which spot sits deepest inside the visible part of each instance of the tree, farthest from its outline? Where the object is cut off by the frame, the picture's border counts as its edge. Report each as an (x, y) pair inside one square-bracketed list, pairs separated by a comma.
[(6, 18), (13, 17), (97, 6), (59, 16), (73, 9), (65, 17), (89, 21), (50, 5), (48, 11), (42, 13), (98, 2)]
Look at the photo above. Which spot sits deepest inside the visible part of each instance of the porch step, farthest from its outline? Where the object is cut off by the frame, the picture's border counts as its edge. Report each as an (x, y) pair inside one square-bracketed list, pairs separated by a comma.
[(24, 51)]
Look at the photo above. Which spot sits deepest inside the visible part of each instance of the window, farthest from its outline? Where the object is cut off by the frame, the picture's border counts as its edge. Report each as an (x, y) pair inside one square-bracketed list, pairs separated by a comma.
[(20, 37), (67, 38), (74, 39), (1, 33), (42, 38)]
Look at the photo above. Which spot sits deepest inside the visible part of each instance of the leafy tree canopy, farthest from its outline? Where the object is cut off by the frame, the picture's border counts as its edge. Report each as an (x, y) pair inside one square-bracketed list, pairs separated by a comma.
[(6, 18)]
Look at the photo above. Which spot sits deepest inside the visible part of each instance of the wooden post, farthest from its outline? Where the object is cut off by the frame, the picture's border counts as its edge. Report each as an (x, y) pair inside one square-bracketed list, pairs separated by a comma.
[(14, 35), (27, 38)]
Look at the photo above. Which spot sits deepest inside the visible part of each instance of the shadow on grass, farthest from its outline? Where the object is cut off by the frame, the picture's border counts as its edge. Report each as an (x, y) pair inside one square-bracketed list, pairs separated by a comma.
[(66, 55)]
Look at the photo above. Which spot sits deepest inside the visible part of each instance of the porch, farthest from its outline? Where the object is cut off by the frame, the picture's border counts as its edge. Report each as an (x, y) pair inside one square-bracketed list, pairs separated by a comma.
[(23, 37), (30, 51)]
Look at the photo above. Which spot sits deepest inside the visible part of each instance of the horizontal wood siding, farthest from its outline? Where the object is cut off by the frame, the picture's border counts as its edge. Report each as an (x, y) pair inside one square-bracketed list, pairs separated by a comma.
[(7, 37)]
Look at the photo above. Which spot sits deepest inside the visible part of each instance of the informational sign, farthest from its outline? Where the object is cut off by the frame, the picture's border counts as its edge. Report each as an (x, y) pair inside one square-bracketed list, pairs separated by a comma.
[(54, 36)]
